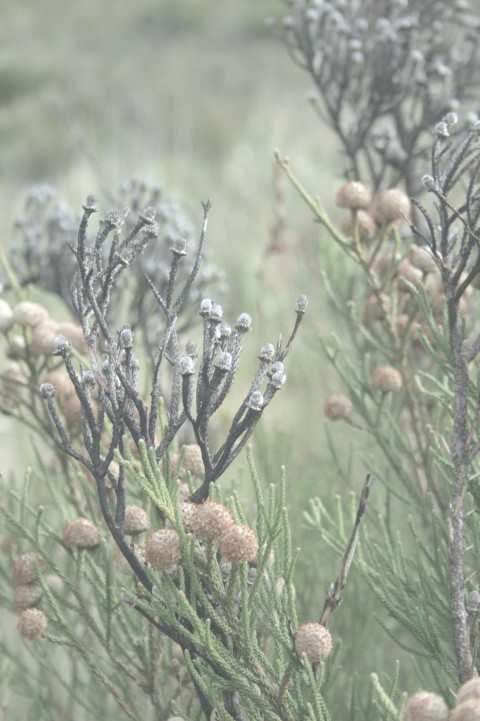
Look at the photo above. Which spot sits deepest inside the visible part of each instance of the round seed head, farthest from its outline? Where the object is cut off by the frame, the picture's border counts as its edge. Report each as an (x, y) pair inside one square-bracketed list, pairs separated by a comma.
[(90, 205), (391, 206), (238, 544), (267, 352), (24, 567), (27, 595), (469, 690), (136, 520), (302, 304), (126, 337), (365, 224), (163, 549), (425, 706), (205, 307), (6, 316), (32, 623), (43, 337), (192, 459), (313, 640), (81, 533), (29, 314), (407, 271), (353, 195), (61, 346), (337, 406), (385, 378), (422, 258), (211, 519), (466, 711), (188, 513), (244, 322), (224, 361), (255, 402)]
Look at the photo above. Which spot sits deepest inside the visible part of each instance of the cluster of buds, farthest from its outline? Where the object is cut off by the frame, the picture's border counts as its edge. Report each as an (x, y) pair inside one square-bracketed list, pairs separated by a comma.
[(390, 207), (27, 594)]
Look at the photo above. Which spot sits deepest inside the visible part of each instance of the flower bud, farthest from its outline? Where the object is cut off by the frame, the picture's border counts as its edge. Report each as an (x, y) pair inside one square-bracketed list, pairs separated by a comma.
[(27, 595), (337, 406), (211, 519), (163, 549), (32, 623), (81, 533), (136, 520), (392, 206), (425, 706), (61, 346), (313, 640), (353, 195), (385, 378), (238, 544), (24, 567), (29, 314)]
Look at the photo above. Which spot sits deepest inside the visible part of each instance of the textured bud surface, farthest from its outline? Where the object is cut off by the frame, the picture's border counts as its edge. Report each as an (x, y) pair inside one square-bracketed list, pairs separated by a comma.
[(81, 533), (32, 623), (211, 519), (29, 314), (136, 520), (238, 544), (24, 567), (27, 595), (385, 378), (469, 690), (337, 406), (313, 640), (425, 706), (353, 195), (163, 549), (391, 205)]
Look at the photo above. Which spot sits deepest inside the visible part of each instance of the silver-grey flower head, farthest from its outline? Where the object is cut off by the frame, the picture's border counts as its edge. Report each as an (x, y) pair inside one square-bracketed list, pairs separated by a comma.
[(224, 330), (441, 130), (90, 204), (255, 402), (126, 337), (216, 313), (113, 218), (243, 323), (224, 361), (205, 307), (302, 304), (267, 352), (88, 379), (473, 602), (47, 391), (61, 346), (187, 365), (148, 215), (451, 119), (191, 349), (179, 247), (428, 183), (278, 379), (277, 367)]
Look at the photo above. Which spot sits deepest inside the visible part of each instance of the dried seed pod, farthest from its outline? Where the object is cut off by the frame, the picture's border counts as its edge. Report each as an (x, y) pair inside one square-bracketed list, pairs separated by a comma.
[(423, 259), (392, 206), (385, 378), (188, 513), (238, 544), (337, 406), (27, 595), (353, 195), (29, 314), (163, 549), (81, 533), (365, 224), (313, 640), (211, 519), (24, 567), (425, 706), (32, 623), (136, 520)]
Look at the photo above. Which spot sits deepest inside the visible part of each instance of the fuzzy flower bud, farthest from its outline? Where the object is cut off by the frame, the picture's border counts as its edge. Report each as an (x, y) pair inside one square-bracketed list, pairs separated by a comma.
[(278, 379), (61, 346), (188, 513), (353, 195), (205, 307), (136, 520), (391, 206), (46, 391), (224, 362), (337, 406), (473, 602), (428, 183), (42, 339), (29, 314), (81, 533), (385, 378), (90, 204), (302, 304), (243, 323), (187, 366), (425, 706), (238, 544), (27, 595), (24, 567), (267, 352), (313, 640), (255, 402), (32, 623), (211, 519), (441, 130), (224, 330), (364, 224), (179, 247), (163, 549), (148, 215), (126, 338), (191, 349)]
